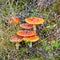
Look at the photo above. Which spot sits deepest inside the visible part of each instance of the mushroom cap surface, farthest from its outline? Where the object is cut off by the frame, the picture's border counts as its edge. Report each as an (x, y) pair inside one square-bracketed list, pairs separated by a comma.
[(34, 20), (32, 38), (26, 26), (26, 33), (14, 19), (16, 38)]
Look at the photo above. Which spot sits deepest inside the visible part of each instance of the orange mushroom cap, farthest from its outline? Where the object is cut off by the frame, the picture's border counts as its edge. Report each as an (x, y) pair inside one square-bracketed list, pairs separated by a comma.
[(14, 20), (34, 20), (26, 26), (26, 33), (31, 38), (16, 38)]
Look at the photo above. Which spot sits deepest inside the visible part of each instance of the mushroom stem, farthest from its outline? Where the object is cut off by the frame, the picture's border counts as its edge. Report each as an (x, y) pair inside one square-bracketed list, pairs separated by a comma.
[(15, 27), (17, 45), (30, 44), (34, 28), (8, 56), (4, 57)]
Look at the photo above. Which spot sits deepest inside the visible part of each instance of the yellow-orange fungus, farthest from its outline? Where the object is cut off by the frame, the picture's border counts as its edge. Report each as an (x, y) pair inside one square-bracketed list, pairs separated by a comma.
[(14, 20), (26, 33), (32, 38), (34, 20)]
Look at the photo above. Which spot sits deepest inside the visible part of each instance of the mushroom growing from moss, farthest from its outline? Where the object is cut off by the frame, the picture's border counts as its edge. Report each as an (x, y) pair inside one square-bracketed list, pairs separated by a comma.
[(26, 26), (16, 39), (35, 21), (26, 33), (31, 39), (14, 19)]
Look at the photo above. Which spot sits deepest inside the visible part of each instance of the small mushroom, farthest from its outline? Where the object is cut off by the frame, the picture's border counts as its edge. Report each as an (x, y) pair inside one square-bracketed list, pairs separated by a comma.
[(31, 39), (14, 19), (16, 39), (26, 33), (26, 26), (35, 21)]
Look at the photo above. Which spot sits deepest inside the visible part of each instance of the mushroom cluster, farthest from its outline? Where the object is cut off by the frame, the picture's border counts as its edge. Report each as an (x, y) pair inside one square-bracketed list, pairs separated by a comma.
[(28, 32)]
